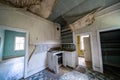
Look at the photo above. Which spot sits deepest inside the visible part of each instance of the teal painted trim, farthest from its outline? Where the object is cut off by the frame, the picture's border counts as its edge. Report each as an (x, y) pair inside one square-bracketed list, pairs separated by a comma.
[(9, 44)]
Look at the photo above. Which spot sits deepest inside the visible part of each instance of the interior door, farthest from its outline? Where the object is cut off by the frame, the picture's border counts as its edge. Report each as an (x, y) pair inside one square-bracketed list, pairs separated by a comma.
[(87, 49), (0, 42), (0, 50)]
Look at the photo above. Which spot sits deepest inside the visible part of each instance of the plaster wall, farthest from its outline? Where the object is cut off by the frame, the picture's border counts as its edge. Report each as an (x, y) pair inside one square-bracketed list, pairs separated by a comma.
[(104, 22), (41, 33)]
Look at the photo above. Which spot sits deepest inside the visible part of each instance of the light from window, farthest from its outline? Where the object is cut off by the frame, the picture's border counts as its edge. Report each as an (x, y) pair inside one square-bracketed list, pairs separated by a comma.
[(82, 41), (19, 43)]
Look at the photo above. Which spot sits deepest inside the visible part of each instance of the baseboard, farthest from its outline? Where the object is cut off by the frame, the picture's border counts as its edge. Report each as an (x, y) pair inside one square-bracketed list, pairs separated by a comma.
[(13, 57)]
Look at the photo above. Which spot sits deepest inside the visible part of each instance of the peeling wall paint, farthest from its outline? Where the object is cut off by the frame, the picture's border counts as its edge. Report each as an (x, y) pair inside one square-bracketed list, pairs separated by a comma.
[(106, 21), (41, 31)]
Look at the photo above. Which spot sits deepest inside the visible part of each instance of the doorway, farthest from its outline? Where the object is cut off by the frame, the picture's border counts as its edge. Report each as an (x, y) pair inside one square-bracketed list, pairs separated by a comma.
[(13, 50), (84, 50), (110, 49)]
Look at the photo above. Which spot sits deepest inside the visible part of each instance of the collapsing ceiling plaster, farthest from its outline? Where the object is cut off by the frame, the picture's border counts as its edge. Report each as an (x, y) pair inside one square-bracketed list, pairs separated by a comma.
[(84, 21), (41, 8)]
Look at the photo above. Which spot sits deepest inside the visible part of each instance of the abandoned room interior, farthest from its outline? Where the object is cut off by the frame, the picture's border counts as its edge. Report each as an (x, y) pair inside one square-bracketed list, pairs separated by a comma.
[(59, 39)]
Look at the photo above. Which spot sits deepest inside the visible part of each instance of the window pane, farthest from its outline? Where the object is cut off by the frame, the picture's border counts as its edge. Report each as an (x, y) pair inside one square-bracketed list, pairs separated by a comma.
[(22, 41), (17, 47), (22, 46), (19, 43)]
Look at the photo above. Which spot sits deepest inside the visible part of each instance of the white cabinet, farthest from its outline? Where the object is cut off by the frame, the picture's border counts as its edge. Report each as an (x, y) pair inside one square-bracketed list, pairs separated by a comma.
[(70, 59), (53, 61)]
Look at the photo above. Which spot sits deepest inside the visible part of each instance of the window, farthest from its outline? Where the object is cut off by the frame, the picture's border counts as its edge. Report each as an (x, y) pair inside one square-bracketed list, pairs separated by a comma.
[(19, 43)]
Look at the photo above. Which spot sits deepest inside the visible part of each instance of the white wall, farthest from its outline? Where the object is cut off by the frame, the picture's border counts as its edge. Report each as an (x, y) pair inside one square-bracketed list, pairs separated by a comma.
[(106, 21), (2, 43), (41, 32)]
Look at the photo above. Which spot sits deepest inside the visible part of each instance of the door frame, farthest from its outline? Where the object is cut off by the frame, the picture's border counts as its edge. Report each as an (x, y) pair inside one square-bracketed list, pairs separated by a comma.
[(99, 44), (91, 43), (4, 27)]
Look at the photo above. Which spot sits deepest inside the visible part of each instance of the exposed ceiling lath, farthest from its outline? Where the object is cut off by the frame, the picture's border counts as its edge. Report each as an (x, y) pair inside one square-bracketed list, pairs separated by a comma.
[(44, 9), (41, 8), (84, 21), (24, 3)]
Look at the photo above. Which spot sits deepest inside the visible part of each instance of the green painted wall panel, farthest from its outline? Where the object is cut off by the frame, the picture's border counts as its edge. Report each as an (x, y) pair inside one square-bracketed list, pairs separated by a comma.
[(9, 44)]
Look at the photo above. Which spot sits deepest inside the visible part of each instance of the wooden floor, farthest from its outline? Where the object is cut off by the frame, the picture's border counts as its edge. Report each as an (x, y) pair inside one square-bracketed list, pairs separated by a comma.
[(82, 62), (88, 64), (12, 69), (112, 71)]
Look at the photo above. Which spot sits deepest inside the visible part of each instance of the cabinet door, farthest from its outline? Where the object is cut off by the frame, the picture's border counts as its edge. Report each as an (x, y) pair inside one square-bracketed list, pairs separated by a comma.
[(64, 59), (56, 65), (68, 59), (49, 61), (72, 59)]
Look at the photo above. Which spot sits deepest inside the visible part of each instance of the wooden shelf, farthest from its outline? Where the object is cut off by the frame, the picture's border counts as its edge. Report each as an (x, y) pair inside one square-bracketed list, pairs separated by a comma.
[(114, 41), (111, 64), (111, 49), (67, 29)]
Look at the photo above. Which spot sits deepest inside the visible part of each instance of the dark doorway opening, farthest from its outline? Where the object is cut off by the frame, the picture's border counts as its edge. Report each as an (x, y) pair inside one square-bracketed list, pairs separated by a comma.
[(110, 48)]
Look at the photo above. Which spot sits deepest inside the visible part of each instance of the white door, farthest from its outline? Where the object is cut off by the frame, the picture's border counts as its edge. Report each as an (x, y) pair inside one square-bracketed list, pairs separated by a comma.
[(0, 42), (87, 49), (0, 50)]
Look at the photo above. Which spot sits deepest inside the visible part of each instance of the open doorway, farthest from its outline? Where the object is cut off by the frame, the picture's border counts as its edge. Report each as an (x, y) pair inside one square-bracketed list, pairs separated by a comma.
[(12, 53), (84, 50), (110, 50)]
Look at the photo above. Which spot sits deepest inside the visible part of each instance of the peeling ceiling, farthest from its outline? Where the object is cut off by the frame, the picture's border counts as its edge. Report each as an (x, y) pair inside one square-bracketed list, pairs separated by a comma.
[(60, 10), (42, 8), (72, 10)]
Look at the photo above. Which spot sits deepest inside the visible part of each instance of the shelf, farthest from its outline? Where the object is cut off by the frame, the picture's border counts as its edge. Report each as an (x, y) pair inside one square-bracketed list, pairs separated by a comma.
[(66, 33), (114, 41), (111, 49), (67, 36), (109, 44), (111, 64), (68, 29)]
